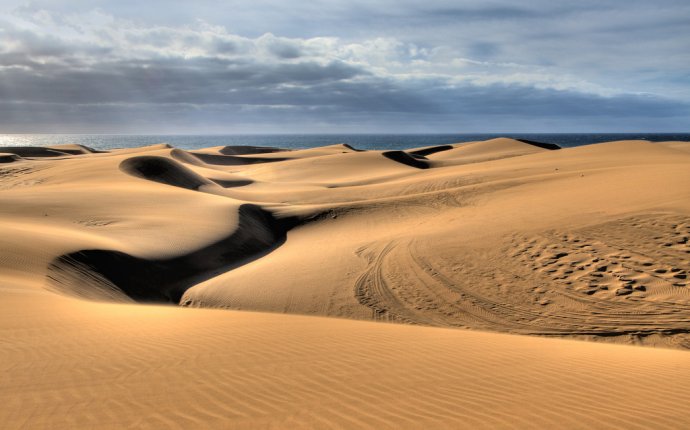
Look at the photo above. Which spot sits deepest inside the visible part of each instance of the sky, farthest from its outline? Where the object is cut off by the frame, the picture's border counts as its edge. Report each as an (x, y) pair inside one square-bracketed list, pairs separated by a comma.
[(315, 66)]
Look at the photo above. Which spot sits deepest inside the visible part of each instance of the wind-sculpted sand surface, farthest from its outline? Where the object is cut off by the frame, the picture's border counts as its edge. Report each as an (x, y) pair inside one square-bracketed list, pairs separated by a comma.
[(587, 243)]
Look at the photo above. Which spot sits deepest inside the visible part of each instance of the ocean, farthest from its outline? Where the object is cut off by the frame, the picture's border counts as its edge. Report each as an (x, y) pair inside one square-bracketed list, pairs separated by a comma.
[(297, 141)]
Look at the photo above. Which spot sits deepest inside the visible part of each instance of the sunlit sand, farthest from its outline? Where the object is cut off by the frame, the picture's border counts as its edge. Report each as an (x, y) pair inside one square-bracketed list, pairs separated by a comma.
[(491, 284)]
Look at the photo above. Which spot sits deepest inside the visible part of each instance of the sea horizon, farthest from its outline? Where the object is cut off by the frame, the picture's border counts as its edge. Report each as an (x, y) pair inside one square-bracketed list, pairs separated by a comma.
[(373, 141)]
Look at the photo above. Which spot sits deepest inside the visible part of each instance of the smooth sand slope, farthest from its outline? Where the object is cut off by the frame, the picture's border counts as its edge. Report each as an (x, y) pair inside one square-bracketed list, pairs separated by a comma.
[(499, 236), (66, 364)]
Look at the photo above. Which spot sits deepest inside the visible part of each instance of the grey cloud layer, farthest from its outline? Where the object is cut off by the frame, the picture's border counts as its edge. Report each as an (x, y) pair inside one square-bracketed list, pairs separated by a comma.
[(94, 71)]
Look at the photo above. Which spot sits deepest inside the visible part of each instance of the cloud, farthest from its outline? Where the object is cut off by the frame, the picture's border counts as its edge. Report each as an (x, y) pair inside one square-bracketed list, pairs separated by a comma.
[(91, 71)]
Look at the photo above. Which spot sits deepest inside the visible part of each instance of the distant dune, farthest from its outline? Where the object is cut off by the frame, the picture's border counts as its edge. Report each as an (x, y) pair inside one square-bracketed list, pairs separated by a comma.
[(517, 237)]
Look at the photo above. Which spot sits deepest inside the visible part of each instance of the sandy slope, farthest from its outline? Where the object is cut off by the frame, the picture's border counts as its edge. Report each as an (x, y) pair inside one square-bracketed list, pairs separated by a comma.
[(498, 235), (69, 364), (502, 235)]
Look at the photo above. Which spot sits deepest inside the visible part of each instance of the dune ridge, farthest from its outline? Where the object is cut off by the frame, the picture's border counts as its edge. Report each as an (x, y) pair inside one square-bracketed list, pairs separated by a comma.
[(100, 274), (587, 243), (529, 258), (163, 170)]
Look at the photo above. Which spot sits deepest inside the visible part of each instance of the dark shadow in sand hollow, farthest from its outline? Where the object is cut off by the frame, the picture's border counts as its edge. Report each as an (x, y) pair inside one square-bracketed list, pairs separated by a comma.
[(232, 183), (416, 161), (249, 150), (103, 274), (231, 160), (163, 170), (551, 146)]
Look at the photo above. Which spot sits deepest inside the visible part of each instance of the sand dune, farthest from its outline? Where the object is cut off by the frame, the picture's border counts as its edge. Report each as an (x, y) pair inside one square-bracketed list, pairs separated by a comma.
[(70, 364), (90, 273), (9, 157), (29, 151), (163, 170), (239, 150), (498, 236)]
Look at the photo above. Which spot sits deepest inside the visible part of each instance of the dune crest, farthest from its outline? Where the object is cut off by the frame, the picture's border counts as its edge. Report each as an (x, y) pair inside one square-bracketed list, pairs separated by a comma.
[(588, 243), (163, 170), (500, 235), (99, 274)]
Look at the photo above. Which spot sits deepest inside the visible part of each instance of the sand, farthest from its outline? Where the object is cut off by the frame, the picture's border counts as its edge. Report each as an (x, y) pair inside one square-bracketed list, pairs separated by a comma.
[(556, 260)]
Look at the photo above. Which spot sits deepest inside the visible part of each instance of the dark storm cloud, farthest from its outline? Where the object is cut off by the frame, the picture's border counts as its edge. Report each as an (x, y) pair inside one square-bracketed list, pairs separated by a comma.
[(356, 65)]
